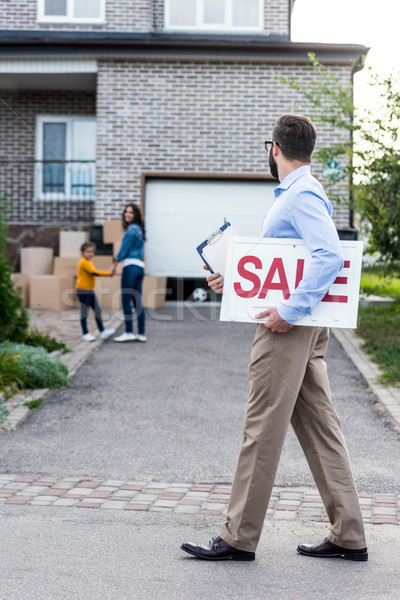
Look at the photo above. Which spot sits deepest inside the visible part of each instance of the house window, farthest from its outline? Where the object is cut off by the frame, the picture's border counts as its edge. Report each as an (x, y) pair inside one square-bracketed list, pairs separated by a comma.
[(214, 15), (71, 11), (65, 158)]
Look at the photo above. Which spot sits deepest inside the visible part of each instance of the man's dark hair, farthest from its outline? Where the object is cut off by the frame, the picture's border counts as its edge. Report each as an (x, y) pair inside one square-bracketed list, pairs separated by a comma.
[(295, 136)]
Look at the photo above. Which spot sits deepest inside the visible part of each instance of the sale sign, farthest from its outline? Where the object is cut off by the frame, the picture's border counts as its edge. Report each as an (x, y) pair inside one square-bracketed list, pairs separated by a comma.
[(263, 273)]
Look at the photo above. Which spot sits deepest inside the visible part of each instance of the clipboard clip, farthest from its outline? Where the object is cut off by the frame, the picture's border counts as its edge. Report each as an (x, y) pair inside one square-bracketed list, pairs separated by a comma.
[(216, 235)]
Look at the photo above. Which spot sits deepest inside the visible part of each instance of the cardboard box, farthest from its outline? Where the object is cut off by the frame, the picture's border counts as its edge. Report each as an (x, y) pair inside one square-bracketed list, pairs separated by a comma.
[(37, 261), (116, 247), (108, 292), (21, 282), (71, 242), (112, 231), (52, 292), (154, 291), (103, 263), (65, 266)]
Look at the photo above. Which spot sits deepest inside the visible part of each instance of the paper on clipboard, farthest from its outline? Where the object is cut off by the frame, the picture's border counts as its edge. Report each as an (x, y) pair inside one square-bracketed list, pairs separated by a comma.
[(214, 249)]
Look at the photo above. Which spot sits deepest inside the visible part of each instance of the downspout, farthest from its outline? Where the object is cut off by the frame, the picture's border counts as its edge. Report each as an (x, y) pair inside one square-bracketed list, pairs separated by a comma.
[(290, 8), (358, 66), (351, 198)]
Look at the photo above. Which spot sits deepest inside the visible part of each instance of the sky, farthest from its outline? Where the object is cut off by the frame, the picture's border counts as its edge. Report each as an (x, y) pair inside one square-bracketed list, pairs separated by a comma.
[(368, 22)]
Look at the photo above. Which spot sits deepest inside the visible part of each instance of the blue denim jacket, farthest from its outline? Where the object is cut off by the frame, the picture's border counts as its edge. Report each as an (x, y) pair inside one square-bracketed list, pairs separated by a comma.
[(132, 245)]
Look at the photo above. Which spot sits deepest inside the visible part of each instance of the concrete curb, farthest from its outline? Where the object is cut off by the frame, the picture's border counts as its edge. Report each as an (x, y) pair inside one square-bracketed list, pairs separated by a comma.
[(74, 360), (388, 396)]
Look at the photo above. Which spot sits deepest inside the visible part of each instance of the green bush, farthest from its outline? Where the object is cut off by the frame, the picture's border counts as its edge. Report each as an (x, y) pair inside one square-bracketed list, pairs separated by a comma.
[(13, 376), (41, 369), (35, 338), (3, 409), (14, 319)]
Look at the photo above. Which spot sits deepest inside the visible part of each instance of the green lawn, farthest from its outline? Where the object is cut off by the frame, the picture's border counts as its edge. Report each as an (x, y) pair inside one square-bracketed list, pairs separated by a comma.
[(373, 281), (379, 326)]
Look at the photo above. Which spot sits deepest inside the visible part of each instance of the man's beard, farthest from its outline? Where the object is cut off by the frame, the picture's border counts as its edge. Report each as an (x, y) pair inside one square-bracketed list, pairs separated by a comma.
[(273, 167)]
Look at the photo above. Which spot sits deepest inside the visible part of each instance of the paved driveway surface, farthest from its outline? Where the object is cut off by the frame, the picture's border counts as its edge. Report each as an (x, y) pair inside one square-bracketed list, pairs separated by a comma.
[(172, 410)]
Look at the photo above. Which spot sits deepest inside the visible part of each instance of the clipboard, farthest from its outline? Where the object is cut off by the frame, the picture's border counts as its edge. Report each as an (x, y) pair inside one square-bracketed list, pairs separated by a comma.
[(213, 251)]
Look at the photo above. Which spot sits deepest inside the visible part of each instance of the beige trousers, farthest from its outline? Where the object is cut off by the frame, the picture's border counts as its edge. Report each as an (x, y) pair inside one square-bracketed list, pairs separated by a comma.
[(289, 383)]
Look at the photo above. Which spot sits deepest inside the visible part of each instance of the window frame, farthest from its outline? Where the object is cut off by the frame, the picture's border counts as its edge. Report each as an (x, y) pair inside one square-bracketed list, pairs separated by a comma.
[(226, 27), (69, 17), (38, 175)]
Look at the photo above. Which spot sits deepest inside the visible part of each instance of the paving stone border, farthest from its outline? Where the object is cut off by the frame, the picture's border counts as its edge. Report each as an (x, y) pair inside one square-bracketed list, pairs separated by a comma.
[(387, 395), (187, 498)]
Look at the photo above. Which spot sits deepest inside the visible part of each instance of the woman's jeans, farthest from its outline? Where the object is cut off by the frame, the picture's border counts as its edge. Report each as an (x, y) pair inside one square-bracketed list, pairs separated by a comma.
[(87, 299), (131, 286)]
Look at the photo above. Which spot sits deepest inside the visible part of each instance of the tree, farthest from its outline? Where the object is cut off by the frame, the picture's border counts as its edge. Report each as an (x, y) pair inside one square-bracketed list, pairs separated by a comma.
[(369, 154), (14, 319)]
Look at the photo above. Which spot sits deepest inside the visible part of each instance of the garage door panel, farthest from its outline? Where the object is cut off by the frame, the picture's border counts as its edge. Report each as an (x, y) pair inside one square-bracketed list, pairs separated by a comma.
[(180, 214)]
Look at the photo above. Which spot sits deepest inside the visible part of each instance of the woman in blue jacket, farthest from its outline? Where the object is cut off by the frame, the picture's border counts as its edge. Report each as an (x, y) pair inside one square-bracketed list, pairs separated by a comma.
[(131, 254)]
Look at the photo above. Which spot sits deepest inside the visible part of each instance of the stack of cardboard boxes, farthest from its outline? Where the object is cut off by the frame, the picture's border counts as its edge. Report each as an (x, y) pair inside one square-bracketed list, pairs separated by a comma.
[(48, 282)]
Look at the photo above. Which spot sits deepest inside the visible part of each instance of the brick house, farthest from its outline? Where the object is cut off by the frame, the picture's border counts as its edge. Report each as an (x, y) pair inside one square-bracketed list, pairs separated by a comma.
[(162, 102)]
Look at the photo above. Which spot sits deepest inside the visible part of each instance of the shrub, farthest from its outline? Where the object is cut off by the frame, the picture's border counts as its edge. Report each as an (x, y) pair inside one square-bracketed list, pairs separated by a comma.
[(3, 409), (14, 319), (13, 376), (41, 369), (35, 338)]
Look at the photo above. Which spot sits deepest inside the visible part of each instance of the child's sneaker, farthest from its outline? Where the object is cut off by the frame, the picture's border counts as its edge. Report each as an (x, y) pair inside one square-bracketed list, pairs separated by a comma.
[(125, 337), (141, 338), (88, 337), (106, 333)]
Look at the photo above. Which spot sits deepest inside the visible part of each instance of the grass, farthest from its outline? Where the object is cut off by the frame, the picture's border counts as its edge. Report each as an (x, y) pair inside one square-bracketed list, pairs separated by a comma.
[(374, 281), (35, 403), (379, 326)]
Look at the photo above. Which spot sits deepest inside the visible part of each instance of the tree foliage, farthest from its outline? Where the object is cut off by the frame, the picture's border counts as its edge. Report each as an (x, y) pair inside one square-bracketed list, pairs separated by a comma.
[(368, 151), (14, 319)]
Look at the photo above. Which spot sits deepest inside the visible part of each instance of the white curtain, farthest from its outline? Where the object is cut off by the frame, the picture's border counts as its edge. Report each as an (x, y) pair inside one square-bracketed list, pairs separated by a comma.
[(182, 12), (246, 13), (87, 9), (214, 12), (55, 8)]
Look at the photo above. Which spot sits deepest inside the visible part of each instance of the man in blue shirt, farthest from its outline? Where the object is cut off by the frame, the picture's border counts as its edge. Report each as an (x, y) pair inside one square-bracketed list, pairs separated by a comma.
[(287, 373)]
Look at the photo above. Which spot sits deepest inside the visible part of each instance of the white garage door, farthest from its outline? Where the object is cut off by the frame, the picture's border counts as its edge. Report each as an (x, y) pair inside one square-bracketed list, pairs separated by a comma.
[(180, 214)]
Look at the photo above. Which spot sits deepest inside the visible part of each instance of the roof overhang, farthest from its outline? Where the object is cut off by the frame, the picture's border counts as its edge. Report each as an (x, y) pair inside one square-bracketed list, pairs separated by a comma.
[(161, 46)]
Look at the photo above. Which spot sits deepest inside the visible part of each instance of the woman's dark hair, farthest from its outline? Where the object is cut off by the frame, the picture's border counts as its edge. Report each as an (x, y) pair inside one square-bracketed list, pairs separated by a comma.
[(87, 245), (296, 136), (138, 220)]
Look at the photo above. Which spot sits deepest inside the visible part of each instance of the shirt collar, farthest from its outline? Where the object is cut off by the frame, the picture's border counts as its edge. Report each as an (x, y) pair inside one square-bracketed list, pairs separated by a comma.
[(292, 177)]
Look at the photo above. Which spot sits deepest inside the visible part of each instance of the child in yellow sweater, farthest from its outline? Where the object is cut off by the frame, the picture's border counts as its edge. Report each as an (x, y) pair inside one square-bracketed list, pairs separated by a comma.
[(87, 274)]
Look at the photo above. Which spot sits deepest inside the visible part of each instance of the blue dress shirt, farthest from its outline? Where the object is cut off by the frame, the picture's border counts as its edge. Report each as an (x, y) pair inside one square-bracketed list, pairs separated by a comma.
[(301, 210)]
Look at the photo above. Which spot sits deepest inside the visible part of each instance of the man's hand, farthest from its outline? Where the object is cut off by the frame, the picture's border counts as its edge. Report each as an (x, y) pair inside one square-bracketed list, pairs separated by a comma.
[(215, 282), (113, 269), (274, 323)]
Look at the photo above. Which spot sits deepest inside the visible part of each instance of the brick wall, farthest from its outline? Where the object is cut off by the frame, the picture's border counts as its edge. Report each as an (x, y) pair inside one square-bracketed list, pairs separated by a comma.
[(18, 111), (127, 15), (121, 15), (190, 118), (276, 17)]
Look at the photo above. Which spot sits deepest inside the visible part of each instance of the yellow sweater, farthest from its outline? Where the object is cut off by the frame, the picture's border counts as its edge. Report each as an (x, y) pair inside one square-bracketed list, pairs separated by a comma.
[(87, 273)]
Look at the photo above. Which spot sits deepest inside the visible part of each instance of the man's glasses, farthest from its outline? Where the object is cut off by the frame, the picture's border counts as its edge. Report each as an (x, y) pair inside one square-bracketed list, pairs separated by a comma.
[(269, 143)]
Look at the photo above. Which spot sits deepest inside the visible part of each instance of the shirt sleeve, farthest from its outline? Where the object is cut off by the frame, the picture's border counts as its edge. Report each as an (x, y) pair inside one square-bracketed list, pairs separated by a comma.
[(311, 219), (89, 267), (133, 238)]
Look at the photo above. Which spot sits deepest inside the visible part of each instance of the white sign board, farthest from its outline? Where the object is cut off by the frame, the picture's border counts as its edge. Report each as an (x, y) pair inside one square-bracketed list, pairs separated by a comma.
[(261, 273)]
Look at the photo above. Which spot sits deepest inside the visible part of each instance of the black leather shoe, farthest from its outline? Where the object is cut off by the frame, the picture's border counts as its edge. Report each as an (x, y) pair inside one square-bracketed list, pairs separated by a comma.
[(217, 549), (327, 549)]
